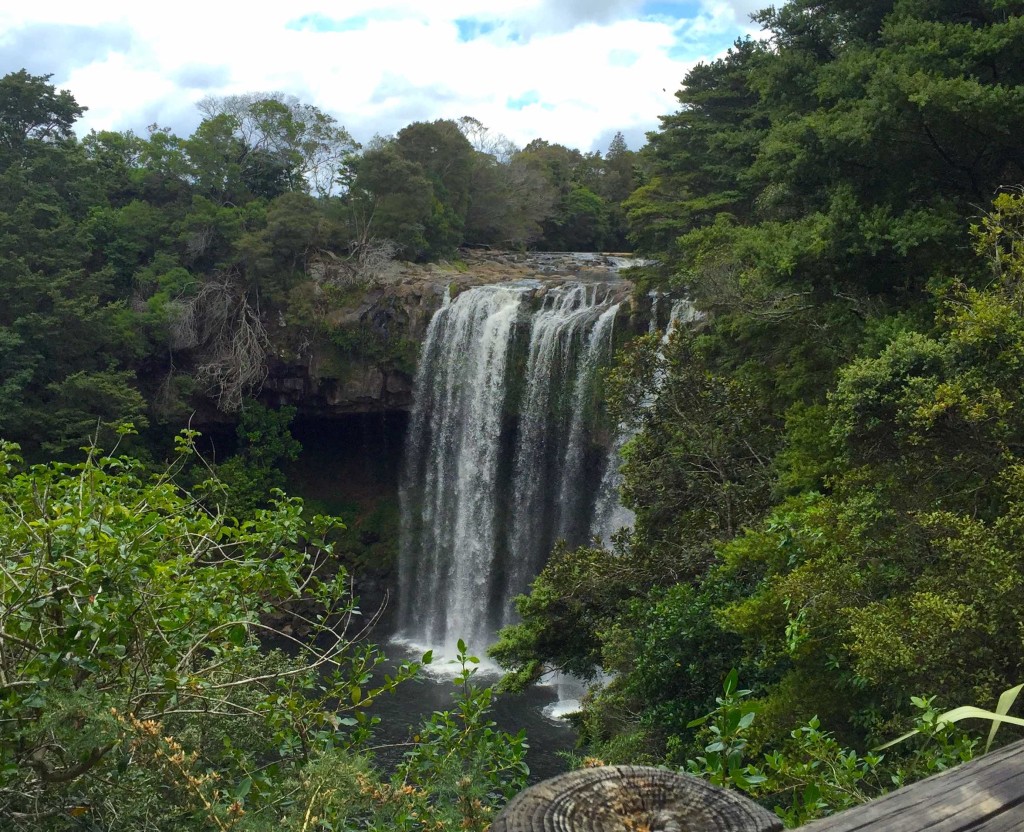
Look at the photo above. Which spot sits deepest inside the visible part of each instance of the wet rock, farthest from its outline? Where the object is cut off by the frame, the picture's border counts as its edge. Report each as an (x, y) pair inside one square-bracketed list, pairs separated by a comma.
[(361, 356)]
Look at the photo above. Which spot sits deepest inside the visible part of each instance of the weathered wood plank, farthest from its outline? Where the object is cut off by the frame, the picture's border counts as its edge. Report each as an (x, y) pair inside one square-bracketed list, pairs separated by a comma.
[(631, 799), (984, 795)]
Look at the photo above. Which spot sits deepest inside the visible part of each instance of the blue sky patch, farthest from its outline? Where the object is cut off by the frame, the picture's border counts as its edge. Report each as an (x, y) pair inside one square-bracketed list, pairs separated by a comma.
[(693, 42), (323, 23), (524, 100), (690, 48), (471, 28), (667, 9)]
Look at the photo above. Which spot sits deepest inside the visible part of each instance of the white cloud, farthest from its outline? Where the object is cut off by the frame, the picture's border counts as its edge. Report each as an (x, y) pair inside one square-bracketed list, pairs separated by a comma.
[(590, 66)]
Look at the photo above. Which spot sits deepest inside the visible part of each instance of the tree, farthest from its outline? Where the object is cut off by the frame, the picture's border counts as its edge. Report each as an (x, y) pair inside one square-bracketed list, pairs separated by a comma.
[(508, 197), (444, 155), (579, 218), (63, 320), (119, 159), (284, 144), (135, 682), (696, 162), (497, 145), (254, 473), (900, 571), (618, 181), (581, 223), (165, 666), (31, 109), (391, 198)]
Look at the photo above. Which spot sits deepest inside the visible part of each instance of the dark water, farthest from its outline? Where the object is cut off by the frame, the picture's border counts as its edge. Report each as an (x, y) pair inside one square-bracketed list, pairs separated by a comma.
[(350, 466), (402, 713)]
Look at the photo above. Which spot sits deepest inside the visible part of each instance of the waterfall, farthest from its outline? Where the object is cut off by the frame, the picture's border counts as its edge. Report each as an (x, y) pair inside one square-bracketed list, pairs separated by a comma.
[(571, 498), (499, 453), (609, 513), (652, 325)]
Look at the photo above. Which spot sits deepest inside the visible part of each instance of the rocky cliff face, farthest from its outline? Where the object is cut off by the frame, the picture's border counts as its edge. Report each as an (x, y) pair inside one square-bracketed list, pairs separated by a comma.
[(359, 355)]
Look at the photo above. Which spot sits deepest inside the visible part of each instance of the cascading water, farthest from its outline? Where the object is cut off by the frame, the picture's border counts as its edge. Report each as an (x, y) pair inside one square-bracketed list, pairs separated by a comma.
[(571, 499), (550, 448), (499, 453), (610, 514)]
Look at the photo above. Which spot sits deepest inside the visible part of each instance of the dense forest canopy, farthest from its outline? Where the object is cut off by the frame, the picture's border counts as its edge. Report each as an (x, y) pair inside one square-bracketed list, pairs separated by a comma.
[(827, 467), (827, 484), (141, 271)]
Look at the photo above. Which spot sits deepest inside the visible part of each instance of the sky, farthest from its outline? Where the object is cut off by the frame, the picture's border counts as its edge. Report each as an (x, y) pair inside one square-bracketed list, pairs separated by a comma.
[(568, 71)]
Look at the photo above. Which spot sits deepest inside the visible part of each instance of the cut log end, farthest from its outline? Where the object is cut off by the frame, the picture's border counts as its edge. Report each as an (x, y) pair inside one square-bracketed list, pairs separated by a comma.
[(631, 799)]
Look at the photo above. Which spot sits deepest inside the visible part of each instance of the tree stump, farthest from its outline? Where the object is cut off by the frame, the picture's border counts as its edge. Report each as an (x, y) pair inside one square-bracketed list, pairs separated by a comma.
[(631, 799)]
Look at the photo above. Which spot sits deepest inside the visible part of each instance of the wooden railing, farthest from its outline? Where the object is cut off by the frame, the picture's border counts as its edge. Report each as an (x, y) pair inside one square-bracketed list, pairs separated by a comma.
[(984, 795)]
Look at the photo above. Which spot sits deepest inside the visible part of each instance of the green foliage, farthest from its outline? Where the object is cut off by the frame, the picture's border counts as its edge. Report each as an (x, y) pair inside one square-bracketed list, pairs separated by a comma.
[(811, 775), (998, 717), (457, 774), (508, 201), (134, 623), (699, 469), (164, 665), (368, 545), (578, 591), (695, 163), (63, 321), (826, 467), (467, 766), (586, 193), (31, 109), (91, 407), (364, 343), (249, 480), (392, 198), (665, 652), (582, 221)]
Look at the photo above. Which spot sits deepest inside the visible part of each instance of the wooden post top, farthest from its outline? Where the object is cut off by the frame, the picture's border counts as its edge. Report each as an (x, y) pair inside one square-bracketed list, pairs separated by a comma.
[(631, 799)]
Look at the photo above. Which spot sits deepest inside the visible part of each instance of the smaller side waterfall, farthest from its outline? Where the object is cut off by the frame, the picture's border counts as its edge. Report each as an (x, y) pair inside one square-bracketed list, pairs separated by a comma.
[(571, 498), (610, 514)]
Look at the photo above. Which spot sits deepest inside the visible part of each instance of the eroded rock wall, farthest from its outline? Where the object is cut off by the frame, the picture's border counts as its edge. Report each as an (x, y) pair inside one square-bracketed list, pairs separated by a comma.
[(359, 354)]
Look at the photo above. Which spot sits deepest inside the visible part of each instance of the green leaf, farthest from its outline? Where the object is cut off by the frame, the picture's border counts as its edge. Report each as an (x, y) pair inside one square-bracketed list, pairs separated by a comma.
[(237, 635), (731, 682), (1006, 700), (955, 715)]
